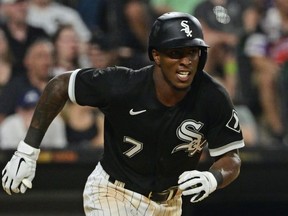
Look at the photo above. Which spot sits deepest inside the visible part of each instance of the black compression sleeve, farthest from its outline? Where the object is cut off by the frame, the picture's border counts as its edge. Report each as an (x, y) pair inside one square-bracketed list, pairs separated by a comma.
[(34, 137)]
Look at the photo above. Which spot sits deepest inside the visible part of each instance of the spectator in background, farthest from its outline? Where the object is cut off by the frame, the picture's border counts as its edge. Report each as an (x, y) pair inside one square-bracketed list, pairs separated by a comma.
[(101, 51), (19, 33), (129, 22), (94, 14), (278, 16), (14, 127), (49, 15), (38, 61), (163, 6), (257, 52), (5, 60), (67, 54), (276, 26), (247, 93), (222, 24)]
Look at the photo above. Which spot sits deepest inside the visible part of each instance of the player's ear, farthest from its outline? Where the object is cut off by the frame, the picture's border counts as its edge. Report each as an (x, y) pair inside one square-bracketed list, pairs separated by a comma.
[(156, 56)]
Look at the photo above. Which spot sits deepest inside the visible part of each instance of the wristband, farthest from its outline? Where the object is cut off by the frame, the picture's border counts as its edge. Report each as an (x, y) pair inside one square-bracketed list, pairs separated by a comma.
[(24, 148), (218, 176)]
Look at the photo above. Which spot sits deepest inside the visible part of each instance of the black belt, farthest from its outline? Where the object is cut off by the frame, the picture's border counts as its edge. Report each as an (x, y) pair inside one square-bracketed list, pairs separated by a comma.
[(163, 196)]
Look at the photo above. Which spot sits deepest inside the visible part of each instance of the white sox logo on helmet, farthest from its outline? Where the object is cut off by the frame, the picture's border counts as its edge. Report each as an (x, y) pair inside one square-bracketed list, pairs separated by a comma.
[(186, 28), (188, 131)]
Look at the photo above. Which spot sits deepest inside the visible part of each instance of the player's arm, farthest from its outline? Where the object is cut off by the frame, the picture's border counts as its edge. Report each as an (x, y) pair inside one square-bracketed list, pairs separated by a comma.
[(19, 172), (51, 102), (199, 184), (226, 168)]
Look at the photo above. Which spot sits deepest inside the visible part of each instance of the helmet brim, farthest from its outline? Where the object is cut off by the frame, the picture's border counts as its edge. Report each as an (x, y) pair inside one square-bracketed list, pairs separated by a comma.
[(181, 43)]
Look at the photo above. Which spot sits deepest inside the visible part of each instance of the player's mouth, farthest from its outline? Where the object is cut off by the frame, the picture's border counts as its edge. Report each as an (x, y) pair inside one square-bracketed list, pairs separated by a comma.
[(183, 75)]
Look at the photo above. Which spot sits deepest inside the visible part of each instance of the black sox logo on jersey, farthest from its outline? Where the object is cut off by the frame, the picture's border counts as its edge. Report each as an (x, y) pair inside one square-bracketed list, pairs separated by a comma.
[(194, 141)]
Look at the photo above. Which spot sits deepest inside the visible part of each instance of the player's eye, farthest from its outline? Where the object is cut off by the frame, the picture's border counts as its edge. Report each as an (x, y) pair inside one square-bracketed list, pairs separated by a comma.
[(174, 54), (181, 53), (194, 52)]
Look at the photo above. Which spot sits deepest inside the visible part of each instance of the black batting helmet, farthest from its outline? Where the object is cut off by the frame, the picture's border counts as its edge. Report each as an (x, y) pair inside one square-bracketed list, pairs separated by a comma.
[(176, 30)]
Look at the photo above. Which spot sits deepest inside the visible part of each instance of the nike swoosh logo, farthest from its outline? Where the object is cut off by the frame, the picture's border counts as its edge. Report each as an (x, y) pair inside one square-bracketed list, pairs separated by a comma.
[(20, 161), (132, 112)]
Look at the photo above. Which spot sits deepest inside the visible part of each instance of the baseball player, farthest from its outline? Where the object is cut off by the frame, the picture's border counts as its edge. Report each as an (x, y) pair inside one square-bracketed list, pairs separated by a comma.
[(158, 120)]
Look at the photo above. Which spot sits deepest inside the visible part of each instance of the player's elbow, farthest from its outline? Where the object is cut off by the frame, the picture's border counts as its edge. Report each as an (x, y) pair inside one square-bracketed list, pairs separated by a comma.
[(58, 87)]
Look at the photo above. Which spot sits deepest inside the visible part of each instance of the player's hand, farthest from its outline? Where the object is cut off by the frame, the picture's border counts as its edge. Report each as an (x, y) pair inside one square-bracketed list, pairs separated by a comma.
[(198, 184), (19, 172)]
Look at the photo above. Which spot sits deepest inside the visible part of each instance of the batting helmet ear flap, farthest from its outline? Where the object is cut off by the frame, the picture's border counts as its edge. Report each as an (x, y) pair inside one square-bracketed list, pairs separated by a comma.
[(150, 53), (202, 58)]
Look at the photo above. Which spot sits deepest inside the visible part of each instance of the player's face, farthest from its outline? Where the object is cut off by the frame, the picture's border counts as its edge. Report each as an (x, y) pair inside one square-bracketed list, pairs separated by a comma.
[(179, 66)]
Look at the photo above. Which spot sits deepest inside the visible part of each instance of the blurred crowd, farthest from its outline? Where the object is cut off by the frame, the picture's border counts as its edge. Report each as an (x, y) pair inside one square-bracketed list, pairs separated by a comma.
[(40, 39)]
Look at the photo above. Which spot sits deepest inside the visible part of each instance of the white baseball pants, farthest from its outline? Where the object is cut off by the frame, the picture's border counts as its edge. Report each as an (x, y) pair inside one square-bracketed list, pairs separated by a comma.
[(103, 198)]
